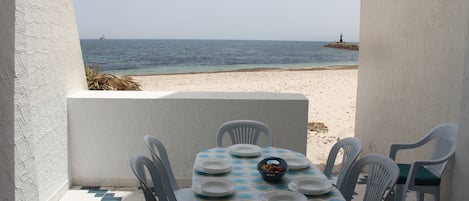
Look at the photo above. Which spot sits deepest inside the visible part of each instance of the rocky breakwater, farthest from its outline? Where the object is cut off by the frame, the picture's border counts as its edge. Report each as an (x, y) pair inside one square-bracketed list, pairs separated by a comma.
[(343, 45)]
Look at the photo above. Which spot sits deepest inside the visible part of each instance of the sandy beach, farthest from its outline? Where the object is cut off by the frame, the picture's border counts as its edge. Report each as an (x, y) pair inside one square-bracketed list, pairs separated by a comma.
[(331, 92)]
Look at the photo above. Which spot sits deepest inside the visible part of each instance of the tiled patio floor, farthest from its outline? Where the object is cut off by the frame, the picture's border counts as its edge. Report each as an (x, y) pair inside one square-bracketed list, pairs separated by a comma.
[(78, 193)]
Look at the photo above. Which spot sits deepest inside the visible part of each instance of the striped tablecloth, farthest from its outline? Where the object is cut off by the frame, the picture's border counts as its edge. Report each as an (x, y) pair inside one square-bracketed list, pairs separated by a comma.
[(248, 181)]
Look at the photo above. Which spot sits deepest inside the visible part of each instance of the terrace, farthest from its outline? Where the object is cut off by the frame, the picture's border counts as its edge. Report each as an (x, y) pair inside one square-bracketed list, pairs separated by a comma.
[(55, 134)]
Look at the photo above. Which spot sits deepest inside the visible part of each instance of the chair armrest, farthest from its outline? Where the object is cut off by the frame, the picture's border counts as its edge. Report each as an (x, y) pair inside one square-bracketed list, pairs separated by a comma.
[(442, 159), (396, 147), (418, 143), (429, 162), (415, 165), (432, 161)]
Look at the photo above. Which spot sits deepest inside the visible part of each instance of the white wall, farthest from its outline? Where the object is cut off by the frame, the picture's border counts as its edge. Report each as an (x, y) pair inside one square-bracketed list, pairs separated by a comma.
[(412, 59), (48, 66), (7, 67), (411, 67), (460, 173), (107, 128)]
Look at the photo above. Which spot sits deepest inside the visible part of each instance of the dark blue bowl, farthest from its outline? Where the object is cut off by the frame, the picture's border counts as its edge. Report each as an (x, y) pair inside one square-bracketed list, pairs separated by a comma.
[(276, 174)]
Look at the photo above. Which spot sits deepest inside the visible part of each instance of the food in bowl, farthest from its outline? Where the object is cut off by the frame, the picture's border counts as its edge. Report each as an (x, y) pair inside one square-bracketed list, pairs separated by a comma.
[(272, 168)]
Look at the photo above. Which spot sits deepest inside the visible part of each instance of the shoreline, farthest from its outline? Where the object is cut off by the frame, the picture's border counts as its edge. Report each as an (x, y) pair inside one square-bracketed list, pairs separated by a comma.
[(333, 67), (331, 94)]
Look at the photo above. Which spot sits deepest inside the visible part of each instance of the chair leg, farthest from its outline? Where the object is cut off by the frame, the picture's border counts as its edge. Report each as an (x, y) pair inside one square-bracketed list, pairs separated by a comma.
[(391, 195), (436, 195), (399, 194), (420, 196)]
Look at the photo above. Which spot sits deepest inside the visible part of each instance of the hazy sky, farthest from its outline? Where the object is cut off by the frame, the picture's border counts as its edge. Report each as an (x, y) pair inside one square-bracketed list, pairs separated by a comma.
[(304, 20)]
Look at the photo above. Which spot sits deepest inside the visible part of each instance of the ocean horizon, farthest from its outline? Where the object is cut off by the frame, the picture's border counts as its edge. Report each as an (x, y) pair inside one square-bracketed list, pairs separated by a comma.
[(171, 56)]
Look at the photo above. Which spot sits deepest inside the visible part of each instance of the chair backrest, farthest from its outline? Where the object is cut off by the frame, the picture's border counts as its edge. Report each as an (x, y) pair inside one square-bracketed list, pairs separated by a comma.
[(244, 132), (158, 150), (382, 176), (352, 147), (445, 145), (139, 165)]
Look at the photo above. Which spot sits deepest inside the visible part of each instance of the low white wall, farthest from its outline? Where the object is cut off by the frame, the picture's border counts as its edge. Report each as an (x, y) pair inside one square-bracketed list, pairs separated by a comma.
[(107, 127)]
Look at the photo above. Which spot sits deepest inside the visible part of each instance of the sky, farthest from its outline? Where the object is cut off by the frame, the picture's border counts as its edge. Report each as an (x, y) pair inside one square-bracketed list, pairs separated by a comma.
[(297, 20)]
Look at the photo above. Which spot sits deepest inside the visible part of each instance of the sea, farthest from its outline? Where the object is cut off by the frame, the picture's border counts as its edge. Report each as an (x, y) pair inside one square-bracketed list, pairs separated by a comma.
[(145, 57)]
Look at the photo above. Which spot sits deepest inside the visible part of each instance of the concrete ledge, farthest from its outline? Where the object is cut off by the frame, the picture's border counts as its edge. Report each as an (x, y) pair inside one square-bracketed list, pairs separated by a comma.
[(187, 95)]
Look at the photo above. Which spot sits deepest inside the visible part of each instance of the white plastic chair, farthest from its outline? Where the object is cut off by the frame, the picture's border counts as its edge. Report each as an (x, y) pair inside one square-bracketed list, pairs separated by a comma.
[(158, 175), (244, 132), (382, 175), (352, 147), (424, 176), (158, 152)]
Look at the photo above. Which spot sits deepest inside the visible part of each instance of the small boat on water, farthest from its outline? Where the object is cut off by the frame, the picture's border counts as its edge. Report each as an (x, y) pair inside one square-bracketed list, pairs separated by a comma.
[(102, 37)]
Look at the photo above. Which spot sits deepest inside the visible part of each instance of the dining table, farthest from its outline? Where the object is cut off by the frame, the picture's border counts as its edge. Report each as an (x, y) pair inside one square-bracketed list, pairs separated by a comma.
[(247, 181)]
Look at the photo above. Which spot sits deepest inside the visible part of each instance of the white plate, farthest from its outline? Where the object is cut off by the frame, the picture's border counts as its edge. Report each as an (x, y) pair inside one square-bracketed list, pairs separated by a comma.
[(246, 150), (296, 162), (213, 166), (311, 185), (284, 195), (214, 187)]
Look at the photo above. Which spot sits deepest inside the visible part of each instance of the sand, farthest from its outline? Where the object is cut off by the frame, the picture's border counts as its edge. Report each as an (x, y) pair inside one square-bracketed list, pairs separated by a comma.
[(331, 93)]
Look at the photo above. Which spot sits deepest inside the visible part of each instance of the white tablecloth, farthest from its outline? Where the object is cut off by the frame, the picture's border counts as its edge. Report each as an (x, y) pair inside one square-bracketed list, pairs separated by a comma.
[(248, 181)]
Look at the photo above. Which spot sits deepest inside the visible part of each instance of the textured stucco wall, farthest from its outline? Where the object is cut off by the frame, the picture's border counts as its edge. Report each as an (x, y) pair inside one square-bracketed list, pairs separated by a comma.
[(107, 128), (7, 68), (411, 71), (411, 65), (48, 66), (460, 173)]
